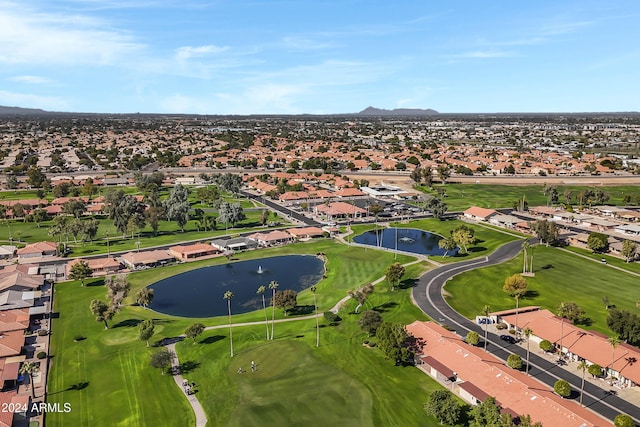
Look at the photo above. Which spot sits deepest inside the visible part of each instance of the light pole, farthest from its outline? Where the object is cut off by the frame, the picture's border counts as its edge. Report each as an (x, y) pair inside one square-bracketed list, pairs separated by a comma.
[(138, 242), (107, 234)]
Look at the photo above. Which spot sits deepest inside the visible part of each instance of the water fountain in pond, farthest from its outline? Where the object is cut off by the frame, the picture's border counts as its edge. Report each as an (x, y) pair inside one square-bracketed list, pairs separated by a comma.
[(260, 270), (406, 240)]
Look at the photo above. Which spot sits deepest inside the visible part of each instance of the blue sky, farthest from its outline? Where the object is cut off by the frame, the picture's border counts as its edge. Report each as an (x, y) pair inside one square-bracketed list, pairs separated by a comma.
[(319, 57)]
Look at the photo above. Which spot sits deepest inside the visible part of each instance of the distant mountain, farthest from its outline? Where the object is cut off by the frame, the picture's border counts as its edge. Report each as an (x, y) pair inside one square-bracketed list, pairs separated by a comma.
[(372, 111), (18, 111)]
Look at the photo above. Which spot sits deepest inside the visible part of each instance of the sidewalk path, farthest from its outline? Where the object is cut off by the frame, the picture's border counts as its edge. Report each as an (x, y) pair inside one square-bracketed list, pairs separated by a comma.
[(201, 418)]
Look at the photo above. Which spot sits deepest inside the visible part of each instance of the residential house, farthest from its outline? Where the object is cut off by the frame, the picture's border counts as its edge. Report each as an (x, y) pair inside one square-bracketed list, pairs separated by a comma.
[(192, 252), (98, 266), (476, 213), (473, 375), (146, 259), (33, 251), (272, 238)]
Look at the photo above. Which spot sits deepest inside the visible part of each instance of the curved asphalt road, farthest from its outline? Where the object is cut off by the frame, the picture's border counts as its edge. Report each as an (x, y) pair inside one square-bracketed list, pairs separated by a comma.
[(427, 294)]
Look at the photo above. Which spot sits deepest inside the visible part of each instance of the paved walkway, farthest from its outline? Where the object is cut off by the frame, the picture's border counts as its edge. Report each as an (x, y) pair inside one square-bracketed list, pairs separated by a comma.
[(201, 418)]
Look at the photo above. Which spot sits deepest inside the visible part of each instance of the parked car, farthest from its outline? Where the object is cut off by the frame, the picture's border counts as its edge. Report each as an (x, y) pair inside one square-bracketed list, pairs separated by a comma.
[(508, 338)]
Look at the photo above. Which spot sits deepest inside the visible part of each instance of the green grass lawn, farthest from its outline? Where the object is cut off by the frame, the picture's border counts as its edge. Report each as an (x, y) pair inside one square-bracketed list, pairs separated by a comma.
[(341, 382), (559, 277), (462, 196), (108, 381), (488, 238)]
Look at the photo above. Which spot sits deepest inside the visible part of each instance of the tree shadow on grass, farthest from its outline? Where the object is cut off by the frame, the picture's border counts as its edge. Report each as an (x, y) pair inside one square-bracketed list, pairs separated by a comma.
[(408, 283), (78, 386), (530, 294), (301, 310), (477, 249), (547, 266), (382, 308), (187, 367), (129, 323), (212, 339)]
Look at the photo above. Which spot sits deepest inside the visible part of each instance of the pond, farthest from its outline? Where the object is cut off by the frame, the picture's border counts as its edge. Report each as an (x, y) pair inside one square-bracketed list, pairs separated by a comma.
[(199, 293), (404, 239)]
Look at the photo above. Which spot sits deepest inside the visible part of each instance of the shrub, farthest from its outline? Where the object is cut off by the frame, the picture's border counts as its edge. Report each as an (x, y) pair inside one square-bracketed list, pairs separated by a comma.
[(595, 370), (41, 355), (512, 331), (545, 345), (501, 326), (514, 361), (78, 338), (472, 338), (43, 332), (623, 420), (562, 388), (365, 342)]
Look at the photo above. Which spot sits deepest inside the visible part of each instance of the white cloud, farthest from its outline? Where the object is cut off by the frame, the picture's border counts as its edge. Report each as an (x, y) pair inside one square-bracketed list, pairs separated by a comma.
[(28, 36), (35, 80), (28, 100), (187, 52), (483, 54)]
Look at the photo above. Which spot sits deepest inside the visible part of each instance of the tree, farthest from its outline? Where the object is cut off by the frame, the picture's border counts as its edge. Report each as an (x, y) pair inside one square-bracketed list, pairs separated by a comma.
[(437, 207), (261, 291), (472, 338), (119, 207), (273, 285), (615, 342), (427, 175), (583, 367), (443, 173), (552, 194), (369, 321), (393, 341), (228, 295), (448, 244), (152, 217), (485, 414), (144, 297), (230, 182), (100, 309), (30, 368), (89, 229), (146, 330), (89, 188), (416, 174), (209, 195), (39, 215), (74, 207), (394, 273), (562, 388), (514, 361), (177, 206), (516, 286), (80, 271), (443, 406), (598, 242), (162, 359), (117, 290), (527, 333), (194, 331), (595, 370), (623, 420), (361, 295), (546, 231), (315, 312), (629, 249), (286, 300), (485, 311), (463, 236), (574, 313), (35, 177)]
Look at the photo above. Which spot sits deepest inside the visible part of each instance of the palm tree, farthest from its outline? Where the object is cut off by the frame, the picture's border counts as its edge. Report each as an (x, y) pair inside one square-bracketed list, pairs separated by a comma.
[(228, 295), (486, 310), (315, 311), (30, 368), (563, 309), (614, 341), (527, 333), (273, 285), (261, 291), (582, 366), (525, 246)]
